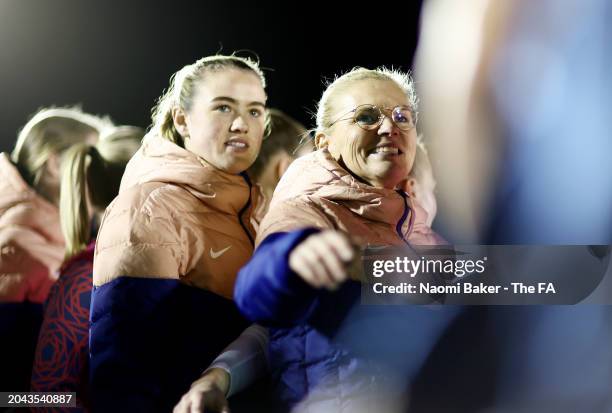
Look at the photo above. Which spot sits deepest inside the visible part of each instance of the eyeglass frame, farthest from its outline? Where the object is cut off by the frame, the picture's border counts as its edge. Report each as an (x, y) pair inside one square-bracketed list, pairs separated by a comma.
[(380, 118)]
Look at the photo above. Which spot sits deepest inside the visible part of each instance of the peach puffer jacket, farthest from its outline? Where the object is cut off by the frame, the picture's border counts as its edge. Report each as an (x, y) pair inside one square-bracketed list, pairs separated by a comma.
[(167, 255), (311, 370), (317, 192), (176, 217)]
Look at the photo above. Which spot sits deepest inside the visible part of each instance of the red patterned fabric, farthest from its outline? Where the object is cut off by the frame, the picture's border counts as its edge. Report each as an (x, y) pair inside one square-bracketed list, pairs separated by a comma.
[(61, 359)]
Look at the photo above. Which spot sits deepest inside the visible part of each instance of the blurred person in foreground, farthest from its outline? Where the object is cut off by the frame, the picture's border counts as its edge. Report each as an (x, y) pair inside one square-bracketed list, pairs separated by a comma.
[(520, 128)]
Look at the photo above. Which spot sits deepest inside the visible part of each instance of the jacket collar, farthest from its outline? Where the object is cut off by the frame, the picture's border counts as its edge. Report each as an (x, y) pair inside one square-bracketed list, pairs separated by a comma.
[(159, 160), (319, 175)]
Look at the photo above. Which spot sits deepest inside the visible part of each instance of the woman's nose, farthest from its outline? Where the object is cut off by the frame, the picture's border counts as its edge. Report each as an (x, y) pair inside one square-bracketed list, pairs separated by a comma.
[(239, 125), (387, 127)]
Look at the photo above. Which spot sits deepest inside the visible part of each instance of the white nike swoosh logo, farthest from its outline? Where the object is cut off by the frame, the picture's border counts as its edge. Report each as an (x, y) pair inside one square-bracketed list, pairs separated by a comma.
[(217, 254)]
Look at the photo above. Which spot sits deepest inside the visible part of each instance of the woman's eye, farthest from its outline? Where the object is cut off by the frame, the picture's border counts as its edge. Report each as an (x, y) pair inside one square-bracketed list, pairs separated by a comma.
[(223, 108), (366, 118), (255, 113), (402, 116)]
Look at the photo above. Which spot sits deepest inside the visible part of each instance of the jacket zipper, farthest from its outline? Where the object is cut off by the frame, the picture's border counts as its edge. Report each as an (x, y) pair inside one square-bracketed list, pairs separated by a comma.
[(248, 181), (400, 223)]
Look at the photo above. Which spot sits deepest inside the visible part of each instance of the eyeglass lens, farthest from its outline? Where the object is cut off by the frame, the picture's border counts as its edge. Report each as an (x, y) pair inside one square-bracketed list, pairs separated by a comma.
[(371, 116)]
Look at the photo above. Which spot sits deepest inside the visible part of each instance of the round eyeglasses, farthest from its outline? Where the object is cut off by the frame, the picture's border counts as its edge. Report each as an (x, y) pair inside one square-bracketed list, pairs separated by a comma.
[(370, 117)]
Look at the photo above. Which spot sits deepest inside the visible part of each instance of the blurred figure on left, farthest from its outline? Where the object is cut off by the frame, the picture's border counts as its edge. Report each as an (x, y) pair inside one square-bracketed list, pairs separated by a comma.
[(90, 179), (31, 241)]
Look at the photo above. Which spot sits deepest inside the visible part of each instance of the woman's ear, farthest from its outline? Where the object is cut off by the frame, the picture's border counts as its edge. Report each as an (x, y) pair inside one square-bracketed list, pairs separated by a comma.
[(321, 140), (180, 121)]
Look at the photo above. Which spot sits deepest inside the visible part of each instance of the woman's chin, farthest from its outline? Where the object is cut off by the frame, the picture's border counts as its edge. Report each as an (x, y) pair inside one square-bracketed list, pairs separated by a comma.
[(234, 163), (392, 177)]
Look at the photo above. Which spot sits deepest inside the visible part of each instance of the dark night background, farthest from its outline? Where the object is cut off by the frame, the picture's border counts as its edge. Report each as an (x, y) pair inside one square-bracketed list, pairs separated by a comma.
[(115, 57)]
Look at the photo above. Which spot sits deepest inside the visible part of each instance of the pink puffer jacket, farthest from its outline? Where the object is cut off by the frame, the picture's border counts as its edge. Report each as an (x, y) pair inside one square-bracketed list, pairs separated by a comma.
[(31, 241), (317, 192), (176, 217)]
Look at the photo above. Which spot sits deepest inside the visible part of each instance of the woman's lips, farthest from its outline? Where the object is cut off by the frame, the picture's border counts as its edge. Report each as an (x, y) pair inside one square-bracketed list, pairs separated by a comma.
[(237, 144), (386, 149)]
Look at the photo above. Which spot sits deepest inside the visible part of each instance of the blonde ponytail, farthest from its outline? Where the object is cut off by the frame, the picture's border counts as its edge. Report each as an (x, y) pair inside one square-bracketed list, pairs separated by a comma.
[(74, 214), (91, 175)]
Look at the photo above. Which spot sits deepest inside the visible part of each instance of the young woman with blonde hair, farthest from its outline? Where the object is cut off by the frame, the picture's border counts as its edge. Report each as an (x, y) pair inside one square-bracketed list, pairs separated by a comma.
[(31, 241), (90, 178), (30, 236), (171, 244)]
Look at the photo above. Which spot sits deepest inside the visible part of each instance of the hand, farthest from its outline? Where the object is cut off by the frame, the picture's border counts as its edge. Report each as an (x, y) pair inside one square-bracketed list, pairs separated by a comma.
[(207, 394), (323, 259)]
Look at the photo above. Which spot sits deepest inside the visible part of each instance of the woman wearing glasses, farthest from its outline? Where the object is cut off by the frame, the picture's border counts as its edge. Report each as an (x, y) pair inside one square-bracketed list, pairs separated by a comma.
[(298, 282)]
